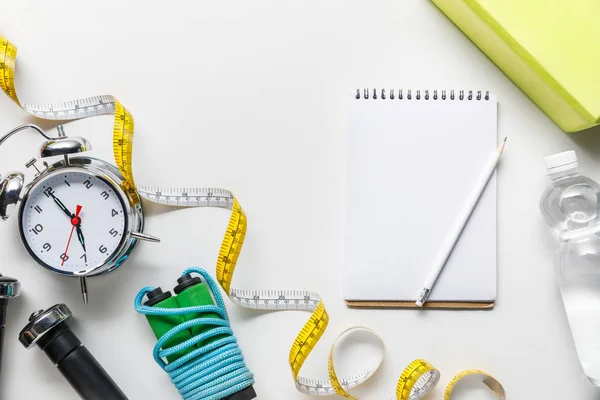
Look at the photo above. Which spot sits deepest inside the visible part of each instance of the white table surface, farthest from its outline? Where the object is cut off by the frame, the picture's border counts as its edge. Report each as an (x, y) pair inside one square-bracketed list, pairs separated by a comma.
[(252, 96)]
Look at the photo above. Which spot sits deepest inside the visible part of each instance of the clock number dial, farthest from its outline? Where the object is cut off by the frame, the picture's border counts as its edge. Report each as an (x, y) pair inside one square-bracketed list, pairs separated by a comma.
[(37, 229), (47, 217), (49, 192)]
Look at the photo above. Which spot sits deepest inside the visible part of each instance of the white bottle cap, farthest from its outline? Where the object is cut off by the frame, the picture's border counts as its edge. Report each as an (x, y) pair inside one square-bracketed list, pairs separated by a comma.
[(561, 162)]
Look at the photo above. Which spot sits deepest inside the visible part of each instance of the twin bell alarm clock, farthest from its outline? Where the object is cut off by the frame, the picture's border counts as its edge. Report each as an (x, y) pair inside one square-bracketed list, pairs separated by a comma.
[(75, 218)]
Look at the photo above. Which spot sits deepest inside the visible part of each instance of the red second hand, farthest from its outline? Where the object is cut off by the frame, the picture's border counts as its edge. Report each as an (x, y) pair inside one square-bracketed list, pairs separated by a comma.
[(74, 223)]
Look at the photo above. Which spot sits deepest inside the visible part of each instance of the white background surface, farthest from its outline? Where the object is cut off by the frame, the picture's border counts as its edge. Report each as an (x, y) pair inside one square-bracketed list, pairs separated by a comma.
[(252, 96)]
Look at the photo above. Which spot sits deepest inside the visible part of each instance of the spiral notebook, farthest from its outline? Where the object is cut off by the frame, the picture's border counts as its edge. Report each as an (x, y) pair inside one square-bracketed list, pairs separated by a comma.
[(413, 157)]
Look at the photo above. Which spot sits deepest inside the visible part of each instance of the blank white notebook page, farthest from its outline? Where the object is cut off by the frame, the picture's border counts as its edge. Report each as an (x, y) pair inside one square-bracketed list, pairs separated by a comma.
[(411, 164)]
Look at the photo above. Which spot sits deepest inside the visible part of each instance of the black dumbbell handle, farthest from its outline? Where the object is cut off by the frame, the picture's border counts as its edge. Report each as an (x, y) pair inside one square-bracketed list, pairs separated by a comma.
[(78, 365), (3, 307)]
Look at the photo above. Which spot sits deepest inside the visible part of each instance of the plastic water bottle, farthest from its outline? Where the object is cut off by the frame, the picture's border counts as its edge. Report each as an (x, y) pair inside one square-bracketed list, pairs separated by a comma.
[(571, 205)]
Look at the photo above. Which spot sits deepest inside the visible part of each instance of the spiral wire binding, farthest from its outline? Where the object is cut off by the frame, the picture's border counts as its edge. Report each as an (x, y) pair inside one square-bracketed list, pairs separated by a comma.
[(212, 372), (402, 94)]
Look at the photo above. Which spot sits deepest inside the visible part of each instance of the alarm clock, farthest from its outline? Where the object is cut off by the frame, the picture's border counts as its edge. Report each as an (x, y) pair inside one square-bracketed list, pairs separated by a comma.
[(75, 216)]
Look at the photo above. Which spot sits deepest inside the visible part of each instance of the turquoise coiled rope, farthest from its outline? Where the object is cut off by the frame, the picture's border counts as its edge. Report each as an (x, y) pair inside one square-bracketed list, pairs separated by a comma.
[(212, 372)]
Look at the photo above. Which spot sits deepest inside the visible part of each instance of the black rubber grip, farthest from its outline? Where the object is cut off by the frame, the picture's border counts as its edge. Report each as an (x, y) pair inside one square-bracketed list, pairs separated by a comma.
[(3, 307), (1, 344), (78, 365), (88, 378)]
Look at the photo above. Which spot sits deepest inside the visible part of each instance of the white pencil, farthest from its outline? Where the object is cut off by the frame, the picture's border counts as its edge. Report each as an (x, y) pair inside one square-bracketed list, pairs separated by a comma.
[(461, 222)]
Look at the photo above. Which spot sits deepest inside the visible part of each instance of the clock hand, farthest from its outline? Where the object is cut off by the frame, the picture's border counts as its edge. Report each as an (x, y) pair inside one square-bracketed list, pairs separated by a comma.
[(72, 217), (80, 236), (74, 222), (61, 206)]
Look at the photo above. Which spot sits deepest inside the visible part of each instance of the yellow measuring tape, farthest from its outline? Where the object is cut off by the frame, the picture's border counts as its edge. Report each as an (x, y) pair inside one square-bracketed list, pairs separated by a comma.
[(416, 380)]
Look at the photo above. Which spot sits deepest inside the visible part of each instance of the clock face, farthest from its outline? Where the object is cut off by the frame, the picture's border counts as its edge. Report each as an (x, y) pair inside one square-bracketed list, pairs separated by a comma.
[(73, 221)]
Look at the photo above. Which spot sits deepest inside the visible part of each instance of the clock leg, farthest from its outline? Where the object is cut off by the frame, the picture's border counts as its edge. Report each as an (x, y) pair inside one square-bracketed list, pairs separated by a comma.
[(84, 289)]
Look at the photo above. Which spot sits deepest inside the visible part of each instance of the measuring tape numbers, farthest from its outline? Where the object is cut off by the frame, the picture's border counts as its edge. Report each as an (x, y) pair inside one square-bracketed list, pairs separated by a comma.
[(416, 380)]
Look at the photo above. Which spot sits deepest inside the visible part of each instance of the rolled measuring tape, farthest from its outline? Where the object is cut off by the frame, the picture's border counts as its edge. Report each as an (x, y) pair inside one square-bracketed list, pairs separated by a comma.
[(416, 380)]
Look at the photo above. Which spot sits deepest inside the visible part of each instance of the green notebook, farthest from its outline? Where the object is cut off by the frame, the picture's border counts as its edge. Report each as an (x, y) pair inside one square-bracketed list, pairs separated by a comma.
[(549, 48)]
